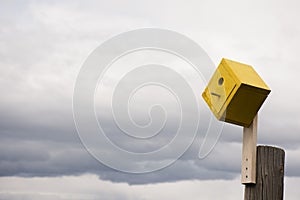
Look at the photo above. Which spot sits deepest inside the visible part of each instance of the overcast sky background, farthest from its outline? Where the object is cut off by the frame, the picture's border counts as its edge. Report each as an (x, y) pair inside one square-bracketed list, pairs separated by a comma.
[(42, 47)]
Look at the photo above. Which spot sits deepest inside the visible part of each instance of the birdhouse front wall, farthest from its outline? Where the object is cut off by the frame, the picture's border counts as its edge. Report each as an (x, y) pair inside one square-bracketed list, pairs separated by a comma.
[(218, 90)]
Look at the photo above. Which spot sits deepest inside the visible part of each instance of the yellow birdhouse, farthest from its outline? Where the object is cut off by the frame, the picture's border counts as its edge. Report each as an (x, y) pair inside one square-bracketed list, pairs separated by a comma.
[(235, 93)]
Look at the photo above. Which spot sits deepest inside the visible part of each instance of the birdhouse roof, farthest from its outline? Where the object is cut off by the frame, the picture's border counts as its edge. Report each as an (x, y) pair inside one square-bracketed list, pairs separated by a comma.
[(244, 73)]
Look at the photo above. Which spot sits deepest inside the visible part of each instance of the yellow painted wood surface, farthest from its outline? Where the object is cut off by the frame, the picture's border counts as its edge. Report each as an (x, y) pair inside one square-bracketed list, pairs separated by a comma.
[(235, 93)]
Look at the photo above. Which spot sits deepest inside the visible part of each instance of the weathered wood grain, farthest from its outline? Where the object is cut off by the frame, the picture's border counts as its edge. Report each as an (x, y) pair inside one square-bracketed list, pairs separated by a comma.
[(270, 175)]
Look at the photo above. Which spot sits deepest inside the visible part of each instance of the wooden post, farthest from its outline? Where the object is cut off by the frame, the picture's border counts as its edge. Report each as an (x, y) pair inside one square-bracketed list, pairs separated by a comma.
[(269, 177), (249, 153)]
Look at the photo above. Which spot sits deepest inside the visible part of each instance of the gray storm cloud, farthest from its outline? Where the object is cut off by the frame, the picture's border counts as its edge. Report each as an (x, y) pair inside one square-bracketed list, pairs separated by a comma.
[(43, 45)]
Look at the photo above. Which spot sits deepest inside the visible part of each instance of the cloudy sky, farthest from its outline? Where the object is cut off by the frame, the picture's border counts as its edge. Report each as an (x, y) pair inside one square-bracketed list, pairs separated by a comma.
[(43, 45)]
